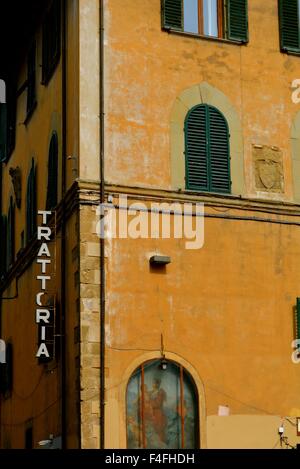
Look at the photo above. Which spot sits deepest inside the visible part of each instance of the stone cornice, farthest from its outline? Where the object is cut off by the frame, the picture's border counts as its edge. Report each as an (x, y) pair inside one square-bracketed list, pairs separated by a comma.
[(210, 200)]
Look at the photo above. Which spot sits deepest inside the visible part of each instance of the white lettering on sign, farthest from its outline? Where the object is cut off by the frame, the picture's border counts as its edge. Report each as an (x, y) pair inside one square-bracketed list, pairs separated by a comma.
[(42, 313)]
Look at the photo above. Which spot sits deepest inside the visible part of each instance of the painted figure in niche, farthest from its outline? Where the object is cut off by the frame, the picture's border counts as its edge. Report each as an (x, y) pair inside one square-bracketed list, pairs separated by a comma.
[(157, 398), (156, 410)]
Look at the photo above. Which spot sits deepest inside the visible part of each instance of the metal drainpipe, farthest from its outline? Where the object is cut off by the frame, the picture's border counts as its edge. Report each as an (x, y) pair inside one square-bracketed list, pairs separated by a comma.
[(1, 307), (63, 230), (102, 241)]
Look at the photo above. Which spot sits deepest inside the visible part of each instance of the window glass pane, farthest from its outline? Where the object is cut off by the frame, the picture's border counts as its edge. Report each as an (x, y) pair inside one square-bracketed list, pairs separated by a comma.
[(134, 427), (190, 15), (190, 413), (210, 17)]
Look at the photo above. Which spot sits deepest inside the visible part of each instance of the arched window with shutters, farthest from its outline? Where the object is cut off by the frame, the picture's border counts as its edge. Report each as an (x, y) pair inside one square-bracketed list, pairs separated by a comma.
[(162, 407), (52, 173), (207, 151), (31, 205)]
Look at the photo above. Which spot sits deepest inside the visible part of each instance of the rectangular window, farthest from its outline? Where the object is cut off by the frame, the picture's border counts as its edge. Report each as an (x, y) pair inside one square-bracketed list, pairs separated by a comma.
[(224, 19), (8, 122), (31, 80), (51, 41)]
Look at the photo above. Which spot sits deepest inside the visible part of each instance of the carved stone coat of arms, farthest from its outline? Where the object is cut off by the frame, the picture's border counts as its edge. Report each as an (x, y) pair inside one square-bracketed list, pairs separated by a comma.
[(268, 169)]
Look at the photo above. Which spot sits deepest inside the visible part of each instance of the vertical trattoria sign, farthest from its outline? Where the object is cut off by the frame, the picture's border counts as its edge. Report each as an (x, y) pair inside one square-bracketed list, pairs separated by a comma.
[(45, 303)]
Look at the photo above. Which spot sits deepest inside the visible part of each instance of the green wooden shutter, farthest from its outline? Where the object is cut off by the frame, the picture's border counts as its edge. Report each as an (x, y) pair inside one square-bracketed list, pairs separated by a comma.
[(28, 208), (289, 25), (207, 150), (56, 31), (11, 101), (3, 131), (172, 14), (34, 203), (196, 149), (51, 44), (52, 173), (31, 79), (218, 152), (45, 53), (237, 20), (298, 320), (31, 205)]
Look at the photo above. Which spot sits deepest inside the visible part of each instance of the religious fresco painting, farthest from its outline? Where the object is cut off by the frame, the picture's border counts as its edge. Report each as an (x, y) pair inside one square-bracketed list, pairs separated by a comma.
[(162, 408)]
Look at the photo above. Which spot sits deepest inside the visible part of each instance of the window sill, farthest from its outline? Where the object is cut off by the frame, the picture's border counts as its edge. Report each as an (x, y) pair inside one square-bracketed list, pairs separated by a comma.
[(207, 38), (291, 52), (202, 193)]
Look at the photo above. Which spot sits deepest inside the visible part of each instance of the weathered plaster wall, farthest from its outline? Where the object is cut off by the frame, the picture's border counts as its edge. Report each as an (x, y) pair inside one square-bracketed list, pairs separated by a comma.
[(89, 77), (248, 432), (147, 69), (37, 388), (226, 310)]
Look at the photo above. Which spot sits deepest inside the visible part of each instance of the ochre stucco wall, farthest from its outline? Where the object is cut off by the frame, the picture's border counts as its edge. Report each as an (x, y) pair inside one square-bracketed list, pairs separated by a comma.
[(36, 391), (147, 69), (227, 309)]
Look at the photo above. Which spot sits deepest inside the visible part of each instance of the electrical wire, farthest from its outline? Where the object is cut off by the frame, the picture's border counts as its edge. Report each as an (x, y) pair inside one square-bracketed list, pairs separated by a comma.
[(288, 420), (35, 417), (276, 444), (24, 398), (212, 388)]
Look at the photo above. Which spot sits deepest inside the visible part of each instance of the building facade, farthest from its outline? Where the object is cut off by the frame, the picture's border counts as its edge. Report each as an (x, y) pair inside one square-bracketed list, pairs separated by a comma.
[(168, 114)]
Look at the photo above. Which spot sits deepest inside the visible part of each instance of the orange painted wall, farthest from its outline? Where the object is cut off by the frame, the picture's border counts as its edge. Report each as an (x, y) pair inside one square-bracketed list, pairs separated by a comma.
[(228, 308), (36, 390), (147, 69)]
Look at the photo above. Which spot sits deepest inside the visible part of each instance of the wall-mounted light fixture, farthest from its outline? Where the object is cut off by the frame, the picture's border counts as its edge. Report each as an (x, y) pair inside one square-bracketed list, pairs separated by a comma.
[(164, 364), (48, 443), (160, 260)]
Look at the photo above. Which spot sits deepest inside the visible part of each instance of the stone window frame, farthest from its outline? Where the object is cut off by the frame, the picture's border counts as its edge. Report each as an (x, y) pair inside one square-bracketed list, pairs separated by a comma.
[(116, 398), (295, 147), (204, 93)]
